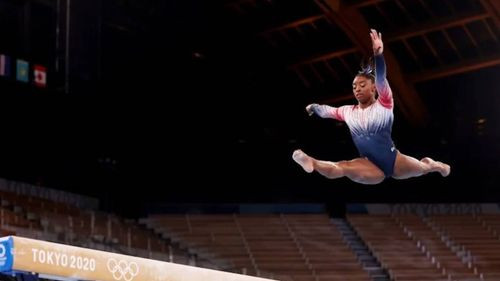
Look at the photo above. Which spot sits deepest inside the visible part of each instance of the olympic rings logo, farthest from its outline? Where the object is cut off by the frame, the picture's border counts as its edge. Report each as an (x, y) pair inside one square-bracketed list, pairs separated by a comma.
[(122, 269)]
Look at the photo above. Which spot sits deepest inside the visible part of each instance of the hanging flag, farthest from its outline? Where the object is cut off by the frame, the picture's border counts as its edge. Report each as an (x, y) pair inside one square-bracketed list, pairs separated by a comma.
[(40, 75), (4, 65), (22, 71)]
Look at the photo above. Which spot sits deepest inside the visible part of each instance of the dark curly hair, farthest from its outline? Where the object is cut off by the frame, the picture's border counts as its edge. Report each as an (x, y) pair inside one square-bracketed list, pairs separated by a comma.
[(367, 69)]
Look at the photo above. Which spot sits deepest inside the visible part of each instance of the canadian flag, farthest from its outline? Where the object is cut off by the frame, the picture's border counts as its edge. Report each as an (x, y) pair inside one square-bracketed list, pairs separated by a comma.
[(40, 76)]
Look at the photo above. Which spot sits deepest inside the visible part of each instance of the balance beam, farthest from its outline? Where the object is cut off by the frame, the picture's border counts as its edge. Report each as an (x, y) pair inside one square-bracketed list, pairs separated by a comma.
[(63, 262)]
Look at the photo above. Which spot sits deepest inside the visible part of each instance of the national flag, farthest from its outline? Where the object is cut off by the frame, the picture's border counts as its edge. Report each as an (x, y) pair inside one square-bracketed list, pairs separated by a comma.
[(40, 75), (22, 71), (4, 65)]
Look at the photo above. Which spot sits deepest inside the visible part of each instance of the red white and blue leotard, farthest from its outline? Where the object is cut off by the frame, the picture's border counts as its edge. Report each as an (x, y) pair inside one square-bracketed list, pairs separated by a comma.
[(370, 127)]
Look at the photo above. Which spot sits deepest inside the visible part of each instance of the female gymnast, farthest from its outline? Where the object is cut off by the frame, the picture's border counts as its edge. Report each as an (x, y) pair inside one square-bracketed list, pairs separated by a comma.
[(370, 123)]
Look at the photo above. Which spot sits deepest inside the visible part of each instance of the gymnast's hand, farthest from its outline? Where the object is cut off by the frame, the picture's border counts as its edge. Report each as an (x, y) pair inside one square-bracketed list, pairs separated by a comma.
[(377, 44), (309, 108)]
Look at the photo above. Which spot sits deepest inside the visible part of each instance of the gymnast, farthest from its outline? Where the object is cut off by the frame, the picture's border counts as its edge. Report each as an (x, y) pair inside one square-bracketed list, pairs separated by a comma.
[(370, 124)]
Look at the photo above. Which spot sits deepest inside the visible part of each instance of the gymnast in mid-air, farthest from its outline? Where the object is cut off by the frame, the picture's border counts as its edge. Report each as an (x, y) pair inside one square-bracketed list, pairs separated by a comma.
[(370, 122)]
